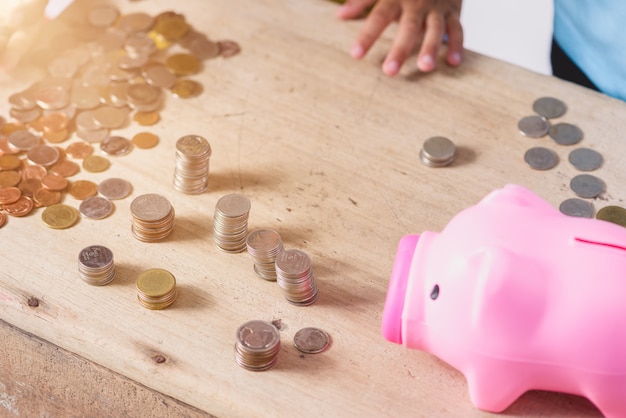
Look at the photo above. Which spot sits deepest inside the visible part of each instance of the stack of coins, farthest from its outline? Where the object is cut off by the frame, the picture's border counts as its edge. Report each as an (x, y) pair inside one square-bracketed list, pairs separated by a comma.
[(156, 289), (191, 174), (153, 217), (230, 223), (264, 245), (95, 265), (257, 345), (294, 275), (437, 152)]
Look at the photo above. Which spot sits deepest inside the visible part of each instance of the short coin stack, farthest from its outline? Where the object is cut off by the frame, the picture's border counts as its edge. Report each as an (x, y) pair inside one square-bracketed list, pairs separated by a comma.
[(95, 265), (264, 245), (294, 275), (438, 151), (153, 217), (191, 174), (257, 345), (156, 289), (230, 223)]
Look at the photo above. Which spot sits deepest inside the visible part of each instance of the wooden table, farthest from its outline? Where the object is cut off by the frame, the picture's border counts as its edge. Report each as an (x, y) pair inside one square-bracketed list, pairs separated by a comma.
[(327, 150)]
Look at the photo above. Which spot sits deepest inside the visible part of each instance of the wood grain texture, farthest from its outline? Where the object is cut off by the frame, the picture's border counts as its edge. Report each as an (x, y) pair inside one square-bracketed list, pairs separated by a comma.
[(327, 149)]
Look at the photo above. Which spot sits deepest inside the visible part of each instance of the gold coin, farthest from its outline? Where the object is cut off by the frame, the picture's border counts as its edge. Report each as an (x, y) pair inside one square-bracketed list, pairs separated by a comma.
[(614, 214), (95, 164), (172, 26), (82, 189), (59, 216), (145, 140), (3, 219), (57, 137), (9, 178), (55, 122), (146, 118), (186, 89), (183, 64), (45, 197), (9, 162), (21, 207), (155, 283), (160, 41)]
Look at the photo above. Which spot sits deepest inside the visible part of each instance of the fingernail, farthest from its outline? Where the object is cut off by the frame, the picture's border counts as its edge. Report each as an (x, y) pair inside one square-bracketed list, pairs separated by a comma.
[(391, 67), (357, 51), (426, 63), (455, 58)]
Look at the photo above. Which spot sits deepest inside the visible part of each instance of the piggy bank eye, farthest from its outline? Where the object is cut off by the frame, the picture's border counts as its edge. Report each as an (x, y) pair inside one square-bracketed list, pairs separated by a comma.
[(434, 294)]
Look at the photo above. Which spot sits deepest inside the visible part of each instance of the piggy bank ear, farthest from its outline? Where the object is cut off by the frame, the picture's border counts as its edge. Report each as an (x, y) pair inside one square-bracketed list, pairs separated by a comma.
[(510, 295)]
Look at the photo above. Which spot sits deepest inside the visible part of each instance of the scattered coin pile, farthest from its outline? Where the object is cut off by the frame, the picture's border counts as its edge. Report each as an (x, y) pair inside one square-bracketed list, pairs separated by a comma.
[(294, 274), (437, 151), (230, 222), (103, 69), (311, 340), (152, 217), (156, 289), (96, 266), (191, 174), (257, 345), (263, 246), (585, 186)]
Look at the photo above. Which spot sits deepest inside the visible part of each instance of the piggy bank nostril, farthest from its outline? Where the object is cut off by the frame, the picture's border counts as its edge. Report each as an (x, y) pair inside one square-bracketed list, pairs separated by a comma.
[(434, 294)]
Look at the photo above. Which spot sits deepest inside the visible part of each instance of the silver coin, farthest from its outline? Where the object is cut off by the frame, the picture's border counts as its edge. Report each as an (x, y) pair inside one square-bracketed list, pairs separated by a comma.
[(540, 158), (549, 107), (311, 340), (576, 207), (96, 207), (585, 159), (534, 126), (437, 151), (587, 186), (566, 134)]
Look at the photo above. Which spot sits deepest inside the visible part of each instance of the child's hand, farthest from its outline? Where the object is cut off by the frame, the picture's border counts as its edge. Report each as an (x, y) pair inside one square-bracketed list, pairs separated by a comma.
[(425, 21)]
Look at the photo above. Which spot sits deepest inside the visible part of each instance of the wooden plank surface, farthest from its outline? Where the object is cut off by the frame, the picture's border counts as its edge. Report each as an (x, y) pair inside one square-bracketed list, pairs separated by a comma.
[(327, 150)]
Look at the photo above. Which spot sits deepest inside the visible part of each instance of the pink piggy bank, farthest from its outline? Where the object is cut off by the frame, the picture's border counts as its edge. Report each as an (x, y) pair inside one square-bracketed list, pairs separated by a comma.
[(517, 296)]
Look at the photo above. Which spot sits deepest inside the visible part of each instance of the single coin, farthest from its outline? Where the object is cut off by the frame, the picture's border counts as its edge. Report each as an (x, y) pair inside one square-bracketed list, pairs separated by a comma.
[(23, 140), (26, 116), (44, 155), (93, 135), (183, 64), (145, 140), (65, 168), (228, 48), (54, 182), (96, 207), (541, 158), (585, 159), (199, 45), (116, 145), (79, 149), (33, 172), (566, 134), (576, 207), (59, 216), (28, 187), (437, 151), (10, 178), (186, 89), (103, 16), (549, 107), (114, 188), (311, 340), (9, 162), (21, 207), (82, 189), (534, 126), (3, 219), (171, 26), (55, 121), (146, 118), (96, 164), (57, 137), (108, 117), (157, 75), (587, 186), (135, 22), (614, 214), (45, 197), (9, 195)]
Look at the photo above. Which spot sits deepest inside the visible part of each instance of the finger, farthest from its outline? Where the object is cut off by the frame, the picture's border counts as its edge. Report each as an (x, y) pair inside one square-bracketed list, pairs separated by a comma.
[(408, 35), (454, 55), (377, 21), (353, 8), (433, 36)]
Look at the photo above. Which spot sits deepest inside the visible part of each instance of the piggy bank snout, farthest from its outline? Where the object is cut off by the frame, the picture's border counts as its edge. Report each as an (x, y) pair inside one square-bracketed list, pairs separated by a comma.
[(396, 293)]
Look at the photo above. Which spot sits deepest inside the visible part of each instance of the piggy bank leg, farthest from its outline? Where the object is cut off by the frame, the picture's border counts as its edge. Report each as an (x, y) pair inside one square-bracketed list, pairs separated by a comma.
[(609, 396), (494, 387)]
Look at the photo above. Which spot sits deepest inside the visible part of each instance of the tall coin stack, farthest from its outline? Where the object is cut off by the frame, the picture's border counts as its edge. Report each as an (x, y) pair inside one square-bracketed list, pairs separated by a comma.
[(153, 217), (95, 265), (156, 289), (264, 245), (191, 174), (257, 345), (294, 275), (230, 223)]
